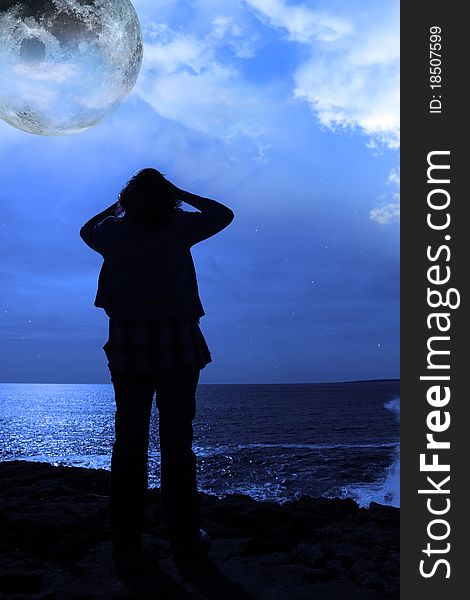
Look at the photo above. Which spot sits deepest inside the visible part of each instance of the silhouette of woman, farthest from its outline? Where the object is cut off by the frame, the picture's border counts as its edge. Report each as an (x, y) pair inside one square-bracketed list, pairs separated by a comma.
[(147, 286)]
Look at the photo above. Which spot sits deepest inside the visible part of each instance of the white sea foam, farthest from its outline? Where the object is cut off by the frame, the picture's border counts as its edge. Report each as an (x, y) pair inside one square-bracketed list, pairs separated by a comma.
[(386, 490)]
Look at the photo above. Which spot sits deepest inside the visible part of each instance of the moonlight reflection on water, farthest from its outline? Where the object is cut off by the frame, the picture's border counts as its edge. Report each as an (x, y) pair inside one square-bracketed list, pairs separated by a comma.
[(65, 64), (335, 440)]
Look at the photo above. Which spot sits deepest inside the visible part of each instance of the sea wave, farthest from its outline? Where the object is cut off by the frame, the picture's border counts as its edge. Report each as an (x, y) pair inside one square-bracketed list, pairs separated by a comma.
[(211, 451), (385, 490)]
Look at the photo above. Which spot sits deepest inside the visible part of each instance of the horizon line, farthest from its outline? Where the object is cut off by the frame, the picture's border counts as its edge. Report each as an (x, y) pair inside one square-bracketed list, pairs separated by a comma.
[(216, 383)]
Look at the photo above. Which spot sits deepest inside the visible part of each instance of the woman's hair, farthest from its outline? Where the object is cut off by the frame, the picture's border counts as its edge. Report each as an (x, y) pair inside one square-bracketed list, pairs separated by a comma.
[(149, 197)]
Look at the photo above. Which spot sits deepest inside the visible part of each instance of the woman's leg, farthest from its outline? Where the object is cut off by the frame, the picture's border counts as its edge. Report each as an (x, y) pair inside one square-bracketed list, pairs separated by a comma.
[(128, 487), (176, 402)]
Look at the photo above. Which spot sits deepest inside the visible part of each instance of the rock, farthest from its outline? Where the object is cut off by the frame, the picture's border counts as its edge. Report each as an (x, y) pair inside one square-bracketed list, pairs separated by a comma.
[(54, 545)]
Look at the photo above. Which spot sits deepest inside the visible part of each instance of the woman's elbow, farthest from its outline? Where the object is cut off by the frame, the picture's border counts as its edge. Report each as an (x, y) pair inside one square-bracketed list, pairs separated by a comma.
[(230, 215)]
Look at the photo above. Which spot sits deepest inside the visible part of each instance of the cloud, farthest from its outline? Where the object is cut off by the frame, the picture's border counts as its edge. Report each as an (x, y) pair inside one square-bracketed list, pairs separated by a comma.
[(351, 79), (389, 212), (364, 98), (348, 73), (240, 39), (356, 84), (183, 80), (394, 177), (386, 214), (302, 23)]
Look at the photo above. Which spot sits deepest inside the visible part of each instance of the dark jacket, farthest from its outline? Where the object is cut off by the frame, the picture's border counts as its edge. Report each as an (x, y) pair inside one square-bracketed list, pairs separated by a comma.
[(150, 273)]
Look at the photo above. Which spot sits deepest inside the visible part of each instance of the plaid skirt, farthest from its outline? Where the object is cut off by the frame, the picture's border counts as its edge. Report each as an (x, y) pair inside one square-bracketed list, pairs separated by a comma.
[(156, 346)]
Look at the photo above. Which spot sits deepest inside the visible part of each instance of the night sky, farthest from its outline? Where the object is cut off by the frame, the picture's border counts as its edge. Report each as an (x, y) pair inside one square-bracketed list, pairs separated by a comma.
[(286, 113)]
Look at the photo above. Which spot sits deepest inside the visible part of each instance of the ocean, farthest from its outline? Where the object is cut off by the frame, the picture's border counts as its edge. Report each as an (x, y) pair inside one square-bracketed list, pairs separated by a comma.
[(271, 441)]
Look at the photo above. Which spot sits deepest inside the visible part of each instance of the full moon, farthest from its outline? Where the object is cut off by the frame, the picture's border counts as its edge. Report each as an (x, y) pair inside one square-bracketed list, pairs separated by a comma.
[(66, 64)]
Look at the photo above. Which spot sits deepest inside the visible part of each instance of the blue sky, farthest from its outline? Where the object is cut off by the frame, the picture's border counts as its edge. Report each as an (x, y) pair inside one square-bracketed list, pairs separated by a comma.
[(288, 112)]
